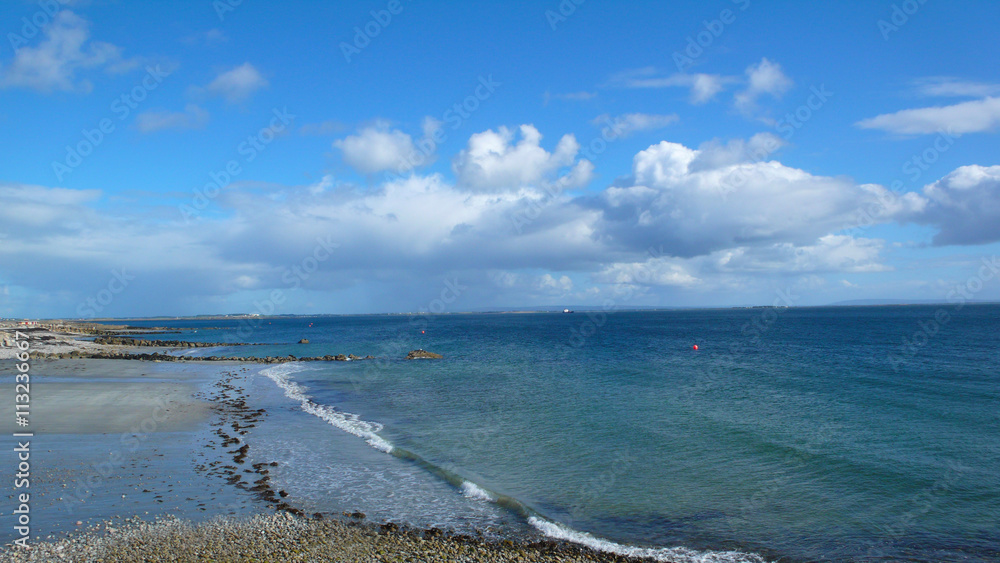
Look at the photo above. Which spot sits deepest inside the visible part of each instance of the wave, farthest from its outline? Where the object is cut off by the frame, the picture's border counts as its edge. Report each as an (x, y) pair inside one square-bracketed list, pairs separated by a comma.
[(475, 492), (671, 554), (348, 422), (352, 424)]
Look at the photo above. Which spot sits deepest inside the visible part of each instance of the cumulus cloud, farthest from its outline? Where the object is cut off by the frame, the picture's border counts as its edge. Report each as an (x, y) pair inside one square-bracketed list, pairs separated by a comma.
[(193, 117), (237, 84), (964, 206), (64, 53), (715, 154), (975, 116), (378, 148), (493, 161), (763, 78), (629, 123), (694, 205)]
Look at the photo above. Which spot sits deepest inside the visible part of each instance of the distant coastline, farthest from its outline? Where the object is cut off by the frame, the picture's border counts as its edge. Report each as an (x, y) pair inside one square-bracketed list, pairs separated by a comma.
[(13, 322)]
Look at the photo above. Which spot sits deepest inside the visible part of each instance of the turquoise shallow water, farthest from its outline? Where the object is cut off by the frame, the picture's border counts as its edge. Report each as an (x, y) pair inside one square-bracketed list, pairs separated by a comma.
[(793, 434)]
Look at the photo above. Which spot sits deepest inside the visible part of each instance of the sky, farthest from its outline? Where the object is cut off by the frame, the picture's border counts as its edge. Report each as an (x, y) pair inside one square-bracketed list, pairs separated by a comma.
[(207, 157)]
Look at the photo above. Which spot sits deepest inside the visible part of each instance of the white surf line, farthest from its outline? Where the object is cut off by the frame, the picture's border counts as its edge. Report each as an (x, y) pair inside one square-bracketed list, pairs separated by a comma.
[(666, 554), (348, 422)]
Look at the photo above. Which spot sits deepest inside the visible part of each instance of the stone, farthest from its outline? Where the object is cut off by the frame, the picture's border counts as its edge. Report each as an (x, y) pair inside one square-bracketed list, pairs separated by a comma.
[(423, 355)]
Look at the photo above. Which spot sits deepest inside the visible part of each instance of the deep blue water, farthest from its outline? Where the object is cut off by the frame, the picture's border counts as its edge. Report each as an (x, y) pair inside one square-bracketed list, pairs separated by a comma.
[(795, 434)]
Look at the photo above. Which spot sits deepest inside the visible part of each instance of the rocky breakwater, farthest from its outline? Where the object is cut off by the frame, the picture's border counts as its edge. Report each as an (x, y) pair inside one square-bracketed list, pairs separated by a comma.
[(94, 329), (158, 357), (140, 342)]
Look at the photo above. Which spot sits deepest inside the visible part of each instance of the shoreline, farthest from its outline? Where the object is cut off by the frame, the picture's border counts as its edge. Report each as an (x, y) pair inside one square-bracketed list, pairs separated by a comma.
[(210, 398), (264, 529)]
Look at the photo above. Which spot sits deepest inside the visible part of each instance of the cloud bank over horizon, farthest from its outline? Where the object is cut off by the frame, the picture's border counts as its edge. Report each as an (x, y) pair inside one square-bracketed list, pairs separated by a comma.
[(514, 221)]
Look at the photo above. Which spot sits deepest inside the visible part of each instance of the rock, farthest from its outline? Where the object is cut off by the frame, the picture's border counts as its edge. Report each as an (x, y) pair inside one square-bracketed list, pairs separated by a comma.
[(423, 354), (304, 341)]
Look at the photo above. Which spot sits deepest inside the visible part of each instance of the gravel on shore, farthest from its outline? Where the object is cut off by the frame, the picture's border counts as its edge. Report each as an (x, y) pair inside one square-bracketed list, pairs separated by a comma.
[(284, 537)]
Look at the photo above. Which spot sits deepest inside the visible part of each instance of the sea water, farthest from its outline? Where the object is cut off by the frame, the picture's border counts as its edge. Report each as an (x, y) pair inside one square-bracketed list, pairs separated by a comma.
[(803, 434)]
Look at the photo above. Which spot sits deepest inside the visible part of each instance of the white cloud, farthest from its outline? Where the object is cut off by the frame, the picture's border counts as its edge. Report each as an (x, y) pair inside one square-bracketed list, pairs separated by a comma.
[(693, 205), (36, 206), (720, 223), (715, 154), (654, 271), (830, 253), (193, 117), (964, 206), (627, 124), (763, 78), (378, 148), (706, 86), (492, 161), (559, 285), (325, 184), (65, 52), (703, 87), (237, 84), (974, 116), (502, 279), (944, 87)]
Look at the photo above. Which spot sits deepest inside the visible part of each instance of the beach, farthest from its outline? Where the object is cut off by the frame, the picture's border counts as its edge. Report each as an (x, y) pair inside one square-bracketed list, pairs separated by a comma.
[(283, 537), (141, 460)]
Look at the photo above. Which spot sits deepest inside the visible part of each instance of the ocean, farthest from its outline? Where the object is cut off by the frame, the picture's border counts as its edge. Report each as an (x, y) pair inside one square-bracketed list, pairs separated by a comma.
[(801, 434)]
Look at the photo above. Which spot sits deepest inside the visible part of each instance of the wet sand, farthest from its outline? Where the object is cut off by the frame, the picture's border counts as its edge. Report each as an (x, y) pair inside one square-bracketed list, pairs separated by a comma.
[(114, 439)]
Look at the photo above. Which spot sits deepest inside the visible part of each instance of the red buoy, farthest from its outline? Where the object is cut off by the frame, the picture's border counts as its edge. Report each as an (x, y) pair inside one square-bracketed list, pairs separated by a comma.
[(695, 346), (421, 332)]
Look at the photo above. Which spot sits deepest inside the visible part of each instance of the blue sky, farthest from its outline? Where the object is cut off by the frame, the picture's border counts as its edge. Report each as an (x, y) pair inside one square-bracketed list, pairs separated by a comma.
[(327, 157)]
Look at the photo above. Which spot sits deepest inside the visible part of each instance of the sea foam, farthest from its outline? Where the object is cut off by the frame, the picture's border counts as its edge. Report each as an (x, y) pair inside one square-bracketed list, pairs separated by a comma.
[(475, 492), (671, 554), (348, 422)]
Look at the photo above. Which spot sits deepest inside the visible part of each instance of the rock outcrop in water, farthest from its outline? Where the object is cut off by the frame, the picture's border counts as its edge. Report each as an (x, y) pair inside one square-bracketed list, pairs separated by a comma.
[(423, 355), (304, 341)]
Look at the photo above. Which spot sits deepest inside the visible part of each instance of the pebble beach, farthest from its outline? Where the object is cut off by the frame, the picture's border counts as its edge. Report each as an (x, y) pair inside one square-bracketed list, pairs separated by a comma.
[(284, 537)]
